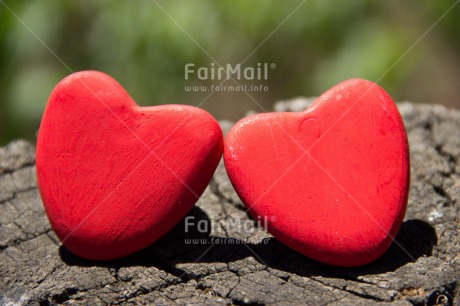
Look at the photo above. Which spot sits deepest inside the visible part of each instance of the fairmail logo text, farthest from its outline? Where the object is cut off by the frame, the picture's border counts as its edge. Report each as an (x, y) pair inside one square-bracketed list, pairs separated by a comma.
[(229, 72)]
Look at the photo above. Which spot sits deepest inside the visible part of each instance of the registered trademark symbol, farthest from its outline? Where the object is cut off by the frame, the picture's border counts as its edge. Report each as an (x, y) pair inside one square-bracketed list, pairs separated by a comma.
[(272, 65)]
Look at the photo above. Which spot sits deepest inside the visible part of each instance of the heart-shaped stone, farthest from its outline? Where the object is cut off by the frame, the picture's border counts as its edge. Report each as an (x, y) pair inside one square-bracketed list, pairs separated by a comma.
[(330, 182), (114, 177)]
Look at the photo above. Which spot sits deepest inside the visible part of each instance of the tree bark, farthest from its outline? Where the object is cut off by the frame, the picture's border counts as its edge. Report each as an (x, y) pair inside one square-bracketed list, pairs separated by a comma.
[(228, 265)]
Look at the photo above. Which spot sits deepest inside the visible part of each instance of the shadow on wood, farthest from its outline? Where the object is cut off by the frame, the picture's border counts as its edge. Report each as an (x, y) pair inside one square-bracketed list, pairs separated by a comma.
[(416, 238)]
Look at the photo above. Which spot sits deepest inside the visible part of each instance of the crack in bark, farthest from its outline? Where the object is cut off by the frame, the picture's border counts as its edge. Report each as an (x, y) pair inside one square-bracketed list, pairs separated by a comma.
[(353, 292)]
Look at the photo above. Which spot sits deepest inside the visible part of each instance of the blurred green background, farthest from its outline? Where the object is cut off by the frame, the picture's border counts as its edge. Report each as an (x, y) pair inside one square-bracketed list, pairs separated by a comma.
[(143, 45)]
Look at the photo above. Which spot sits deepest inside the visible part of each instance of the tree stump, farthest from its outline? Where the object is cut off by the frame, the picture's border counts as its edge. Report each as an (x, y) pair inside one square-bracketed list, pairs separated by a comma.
[(217, 262)]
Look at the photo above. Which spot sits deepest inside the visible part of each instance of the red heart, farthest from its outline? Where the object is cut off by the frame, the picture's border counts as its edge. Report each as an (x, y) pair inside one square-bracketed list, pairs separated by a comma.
[(331, 182), (115, 177)]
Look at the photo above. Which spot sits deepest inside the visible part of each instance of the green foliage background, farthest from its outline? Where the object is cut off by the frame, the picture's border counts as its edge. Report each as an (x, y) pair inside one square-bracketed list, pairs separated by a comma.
[(146, 44)]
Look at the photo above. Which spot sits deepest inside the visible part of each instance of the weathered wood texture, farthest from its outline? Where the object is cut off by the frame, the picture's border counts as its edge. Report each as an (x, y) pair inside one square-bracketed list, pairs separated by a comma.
[(246, 265)]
